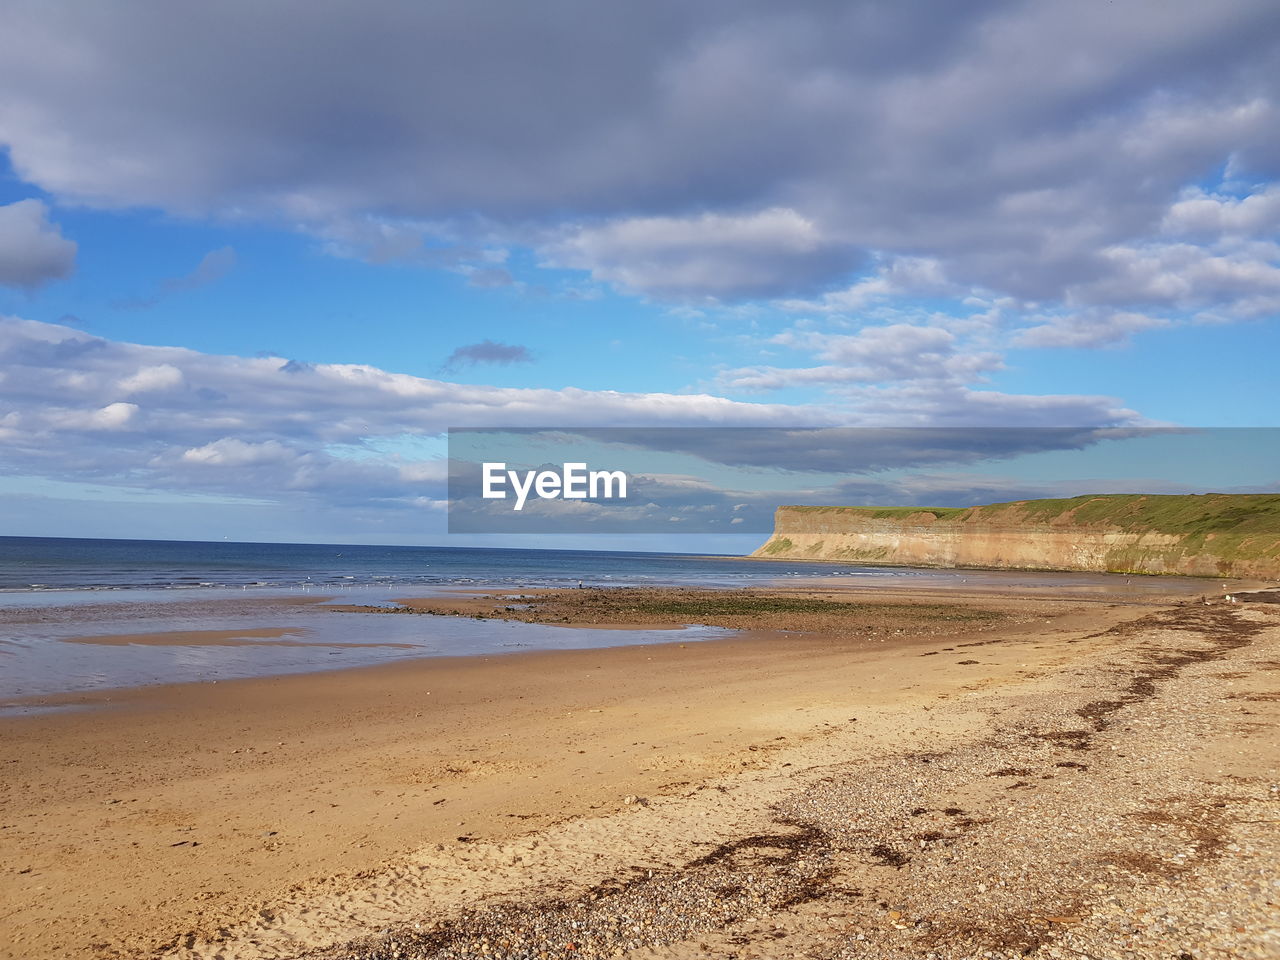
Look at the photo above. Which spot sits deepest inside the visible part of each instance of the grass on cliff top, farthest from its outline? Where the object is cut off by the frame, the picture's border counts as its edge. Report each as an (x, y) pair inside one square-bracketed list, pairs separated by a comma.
[(1181, 514), (883, 513)]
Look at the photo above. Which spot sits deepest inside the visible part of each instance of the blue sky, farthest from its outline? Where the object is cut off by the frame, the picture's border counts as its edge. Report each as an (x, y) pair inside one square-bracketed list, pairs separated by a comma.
[(254, 263)]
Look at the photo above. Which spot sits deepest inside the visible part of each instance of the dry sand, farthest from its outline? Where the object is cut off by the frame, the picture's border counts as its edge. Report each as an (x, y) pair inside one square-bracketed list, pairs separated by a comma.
[(271, 817)]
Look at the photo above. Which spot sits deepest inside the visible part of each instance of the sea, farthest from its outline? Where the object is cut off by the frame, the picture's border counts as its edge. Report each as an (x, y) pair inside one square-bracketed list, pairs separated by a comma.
[(80, 616), (39, 564)]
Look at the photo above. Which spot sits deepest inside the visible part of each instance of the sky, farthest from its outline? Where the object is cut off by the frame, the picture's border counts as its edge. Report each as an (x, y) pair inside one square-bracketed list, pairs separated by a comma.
[(256, 259)]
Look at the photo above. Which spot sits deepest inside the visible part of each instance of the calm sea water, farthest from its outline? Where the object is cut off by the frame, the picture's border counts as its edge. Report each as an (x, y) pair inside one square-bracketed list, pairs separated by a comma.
[(40, 564)]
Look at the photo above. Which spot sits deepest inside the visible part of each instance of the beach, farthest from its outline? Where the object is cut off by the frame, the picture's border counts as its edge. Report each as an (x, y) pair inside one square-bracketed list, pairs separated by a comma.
[(588, 481), (292, 815)]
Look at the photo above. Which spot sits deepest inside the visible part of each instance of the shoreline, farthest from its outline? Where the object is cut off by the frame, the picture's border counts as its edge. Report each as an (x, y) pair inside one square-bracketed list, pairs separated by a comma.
[(119, 644)]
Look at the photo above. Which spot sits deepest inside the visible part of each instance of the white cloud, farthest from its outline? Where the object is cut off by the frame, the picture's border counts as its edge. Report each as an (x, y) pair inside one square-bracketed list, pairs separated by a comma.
[(161, 376), (230, 452), (33, 250), (882, 354), (267, 424), (916, 375), (1211, 214), (903, 276), (262, 426), (1087, 329), (1241, 278), (765, 253), (112, 416), (724, 150), (954, 405)]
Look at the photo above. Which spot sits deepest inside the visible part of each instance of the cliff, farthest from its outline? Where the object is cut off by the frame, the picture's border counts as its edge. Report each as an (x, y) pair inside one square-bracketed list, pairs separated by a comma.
[(1205, 535)]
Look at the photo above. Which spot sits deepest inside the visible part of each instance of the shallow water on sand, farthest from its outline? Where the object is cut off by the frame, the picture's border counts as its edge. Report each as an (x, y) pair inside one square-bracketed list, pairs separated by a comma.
[(68, 656)]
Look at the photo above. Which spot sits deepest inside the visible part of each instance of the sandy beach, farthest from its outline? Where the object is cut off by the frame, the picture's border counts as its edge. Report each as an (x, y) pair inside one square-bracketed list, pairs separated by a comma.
[(923, 776), (640, 481)]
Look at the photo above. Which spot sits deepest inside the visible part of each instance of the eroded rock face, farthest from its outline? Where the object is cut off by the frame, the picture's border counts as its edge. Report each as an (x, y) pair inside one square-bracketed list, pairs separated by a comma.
[(1209, 535)]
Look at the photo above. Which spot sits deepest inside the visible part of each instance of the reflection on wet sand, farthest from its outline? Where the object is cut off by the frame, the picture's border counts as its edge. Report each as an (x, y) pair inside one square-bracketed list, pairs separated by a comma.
[(246, 637)]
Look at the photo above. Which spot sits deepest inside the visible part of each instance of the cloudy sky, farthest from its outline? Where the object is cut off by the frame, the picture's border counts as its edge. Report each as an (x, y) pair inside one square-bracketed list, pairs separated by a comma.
[(256, 258)]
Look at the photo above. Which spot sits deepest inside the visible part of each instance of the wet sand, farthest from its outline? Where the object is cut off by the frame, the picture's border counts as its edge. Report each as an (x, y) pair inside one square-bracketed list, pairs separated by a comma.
[(271, 816)]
